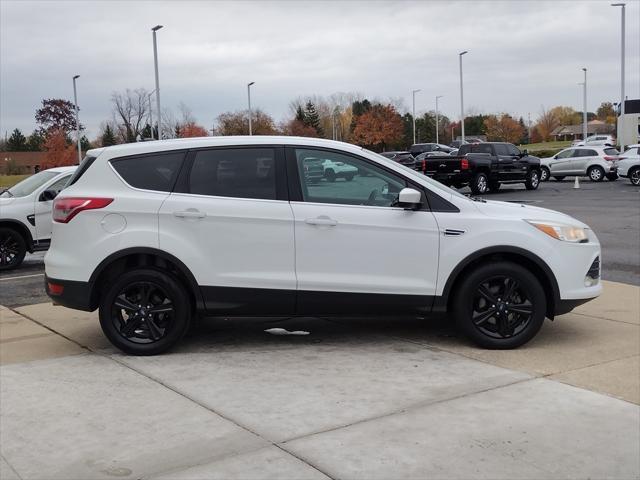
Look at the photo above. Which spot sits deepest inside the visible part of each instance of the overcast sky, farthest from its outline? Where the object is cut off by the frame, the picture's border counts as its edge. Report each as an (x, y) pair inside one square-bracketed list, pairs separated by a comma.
[(522, 54)]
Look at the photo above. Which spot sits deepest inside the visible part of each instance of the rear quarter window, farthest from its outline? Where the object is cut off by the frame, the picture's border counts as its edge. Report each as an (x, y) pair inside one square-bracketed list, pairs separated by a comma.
[(611, 151), (156, 171)]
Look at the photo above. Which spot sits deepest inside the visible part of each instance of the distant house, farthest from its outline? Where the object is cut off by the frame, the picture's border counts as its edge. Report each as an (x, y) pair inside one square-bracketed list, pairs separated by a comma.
[(21, 162), (574, 132)]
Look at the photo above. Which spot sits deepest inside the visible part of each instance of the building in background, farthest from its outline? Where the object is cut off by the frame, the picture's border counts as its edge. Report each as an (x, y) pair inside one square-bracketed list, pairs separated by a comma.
[(629, 128)]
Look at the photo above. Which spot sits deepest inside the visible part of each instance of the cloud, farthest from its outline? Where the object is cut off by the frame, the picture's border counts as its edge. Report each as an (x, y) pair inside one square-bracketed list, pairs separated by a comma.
[(521, 54)]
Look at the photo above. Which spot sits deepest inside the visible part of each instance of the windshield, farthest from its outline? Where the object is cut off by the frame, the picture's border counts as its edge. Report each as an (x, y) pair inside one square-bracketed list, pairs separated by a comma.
[(444, 190), (29, 184)]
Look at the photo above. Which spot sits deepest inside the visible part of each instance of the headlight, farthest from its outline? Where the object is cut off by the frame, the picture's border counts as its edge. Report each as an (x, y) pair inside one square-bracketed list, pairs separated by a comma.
[(560, 231)]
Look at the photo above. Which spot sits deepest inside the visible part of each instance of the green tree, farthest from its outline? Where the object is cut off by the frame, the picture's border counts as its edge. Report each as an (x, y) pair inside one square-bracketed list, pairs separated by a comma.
[(57, 114), (525, 135), (17, 142), (312, 119), (35, 142), (85, 144), (107, 138), (606, 112), (474, 125), (300, 117)]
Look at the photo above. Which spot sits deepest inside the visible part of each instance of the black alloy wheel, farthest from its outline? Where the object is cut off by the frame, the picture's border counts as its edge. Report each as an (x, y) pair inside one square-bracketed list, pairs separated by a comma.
[(634, 176), (145, 312), (532, 180), (479, 184), (500, 305), (12, 249)]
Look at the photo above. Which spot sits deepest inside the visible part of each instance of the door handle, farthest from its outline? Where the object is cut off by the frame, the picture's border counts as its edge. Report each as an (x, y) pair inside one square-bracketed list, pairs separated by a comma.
[(189, 213), (321, 220)]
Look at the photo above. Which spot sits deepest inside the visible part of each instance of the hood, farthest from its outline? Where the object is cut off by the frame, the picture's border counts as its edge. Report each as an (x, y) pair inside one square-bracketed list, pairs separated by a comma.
[(5, 201), (525, 212)]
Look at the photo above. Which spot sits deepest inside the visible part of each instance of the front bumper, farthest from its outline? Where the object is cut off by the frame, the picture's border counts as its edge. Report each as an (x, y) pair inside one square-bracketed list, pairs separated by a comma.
[(71, 294)]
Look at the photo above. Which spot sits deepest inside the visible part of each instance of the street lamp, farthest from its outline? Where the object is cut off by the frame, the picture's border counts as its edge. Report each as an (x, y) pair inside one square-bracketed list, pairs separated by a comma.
[(584, 105), (75, 101), (461, 97), (155, 62), (414, 114), (151, 114), (249, 98), (437, 124), (621, 117)]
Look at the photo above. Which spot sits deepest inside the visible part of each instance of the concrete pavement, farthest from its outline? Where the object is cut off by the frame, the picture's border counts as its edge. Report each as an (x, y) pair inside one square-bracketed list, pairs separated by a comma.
[(392, 398)]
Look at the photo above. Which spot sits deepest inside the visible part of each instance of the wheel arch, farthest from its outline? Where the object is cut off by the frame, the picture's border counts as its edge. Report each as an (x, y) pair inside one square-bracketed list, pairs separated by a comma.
[(523, 257), (20, 228), (122, 260)]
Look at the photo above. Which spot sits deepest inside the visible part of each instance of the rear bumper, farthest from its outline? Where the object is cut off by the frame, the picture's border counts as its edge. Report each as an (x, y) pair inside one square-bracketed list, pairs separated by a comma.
[(76, 295)]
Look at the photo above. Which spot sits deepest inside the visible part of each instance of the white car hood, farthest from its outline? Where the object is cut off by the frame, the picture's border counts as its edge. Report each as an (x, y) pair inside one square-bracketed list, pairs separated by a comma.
[(497, 209), (6, 201)]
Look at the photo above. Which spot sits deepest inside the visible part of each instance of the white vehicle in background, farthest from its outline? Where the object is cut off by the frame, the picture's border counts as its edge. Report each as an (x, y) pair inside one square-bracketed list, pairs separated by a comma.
[(597, 163), (596, 141), (629, 164), (25, 215), (333, 170)]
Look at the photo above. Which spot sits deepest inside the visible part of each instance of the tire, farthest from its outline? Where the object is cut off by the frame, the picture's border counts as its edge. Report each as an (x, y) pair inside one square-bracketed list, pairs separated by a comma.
[(348, 177), (634, 176), (559, 179), (330, 175), (532, 180), (479, 184), (499, 327), (13, 248), (143, 331), (596, 173), (545, 174), (612, 177)]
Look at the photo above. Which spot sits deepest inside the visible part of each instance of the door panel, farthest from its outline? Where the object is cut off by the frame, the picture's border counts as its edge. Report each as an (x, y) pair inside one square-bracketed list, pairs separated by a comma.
[(351, 241), (561, 164)]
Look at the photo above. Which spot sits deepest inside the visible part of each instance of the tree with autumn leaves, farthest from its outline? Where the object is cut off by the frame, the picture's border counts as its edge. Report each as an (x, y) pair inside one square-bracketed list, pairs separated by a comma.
[(378, 128), (503, 128)]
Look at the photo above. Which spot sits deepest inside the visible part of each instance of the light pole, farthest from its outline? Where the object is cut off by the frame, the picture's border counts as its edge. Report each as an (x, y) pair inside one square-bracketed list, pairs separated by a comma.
[(437, 124), (461, 97), (151, 114), (584, 106), (414, 114), (155, 62), (75, 101), (249, 99), (621, 118)]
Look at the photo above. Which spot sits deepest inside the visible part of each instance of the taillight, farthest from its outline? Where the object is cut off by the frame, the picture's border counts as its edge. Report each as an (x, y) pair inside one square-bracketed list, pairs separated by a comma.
[(64, 209), (609, 158), (424, 165), (464, 164)]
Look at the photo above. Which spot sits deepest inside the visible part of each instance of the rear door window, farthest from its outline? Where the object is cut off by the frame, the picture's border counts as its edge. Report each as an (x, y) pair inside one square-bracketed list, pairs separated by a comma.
[(585, 152), (611, 151), (156, 171), (239, 173)]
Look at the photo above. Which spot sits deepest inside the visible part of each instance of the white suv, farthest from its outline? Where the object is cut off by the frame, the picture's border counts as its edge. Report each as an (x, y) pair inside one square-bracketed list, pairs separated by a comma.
[(596, 141), (25, 214), (153, 233)]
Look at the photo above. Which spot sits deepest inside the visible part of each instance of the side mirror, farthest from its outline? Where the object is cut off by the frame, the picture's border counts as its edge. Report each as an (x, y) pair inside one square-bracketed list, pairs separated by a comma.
[(48, 195), (409, 199), (525, 152)]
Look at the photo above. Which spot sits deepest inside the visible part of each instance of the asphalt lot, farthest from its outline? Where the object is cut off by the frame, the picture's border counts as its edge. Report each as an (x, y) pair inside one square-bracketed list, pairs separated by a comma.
[(611, 209)]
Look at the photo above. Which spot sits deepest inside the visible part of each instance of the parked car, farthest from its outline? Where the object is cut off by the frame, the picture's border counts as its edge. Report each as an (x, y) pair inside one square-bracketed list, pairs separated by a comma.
[(419, 148), (483, 167), (593, 162), (150, 235), (404, 158), (334, 170), (629, 164), (597, 140), (313, 169), (25, 215)]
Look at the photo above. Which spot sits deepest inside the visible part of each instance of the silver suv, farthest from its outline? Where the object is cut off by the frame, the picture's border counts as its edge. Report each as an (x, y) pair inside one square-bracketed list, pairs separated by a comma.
[(593, 162)]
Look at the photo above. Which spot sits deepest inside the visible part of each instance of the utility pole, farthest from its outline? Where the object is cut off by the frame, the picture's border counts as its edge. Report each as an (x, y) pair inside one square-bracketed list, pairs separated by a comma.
[(621, 118), (75, 101), (414, 114), (461, 97), (584, 105), (437, 123), (155, 63), (249, 100)]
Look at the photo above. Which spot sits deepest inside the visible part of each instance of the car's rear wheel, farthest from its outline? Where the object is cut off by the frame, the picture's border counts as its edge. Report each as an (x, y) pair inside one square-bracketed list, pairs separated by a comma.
[(13, 248), (596, 173), (532, 180), (544, 174), (559, 178), (145, 312), (330, 175), (479, 184), (500, 305), (634, 176)]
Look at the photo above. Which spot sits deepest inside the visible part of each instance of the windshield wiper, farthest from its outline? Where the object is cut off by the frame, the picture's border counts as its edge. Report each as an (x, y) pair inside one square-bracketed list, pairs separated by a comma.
[(6, 190), (477, 199)]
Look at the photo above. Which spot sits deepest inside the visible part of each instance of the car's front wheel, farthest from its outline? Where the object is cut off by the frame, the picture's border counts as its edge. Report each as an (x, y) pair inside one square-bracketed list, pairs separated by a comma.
[(13, 248), (500, 305), (145, 312), (544, 174), (532, 180), (634, 176)]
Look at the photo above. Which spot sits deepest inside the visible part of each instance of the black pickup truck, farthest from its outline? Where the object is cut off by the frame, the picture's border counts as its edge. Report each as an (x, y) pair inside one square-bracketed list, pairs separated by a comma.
[(483, 166)]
